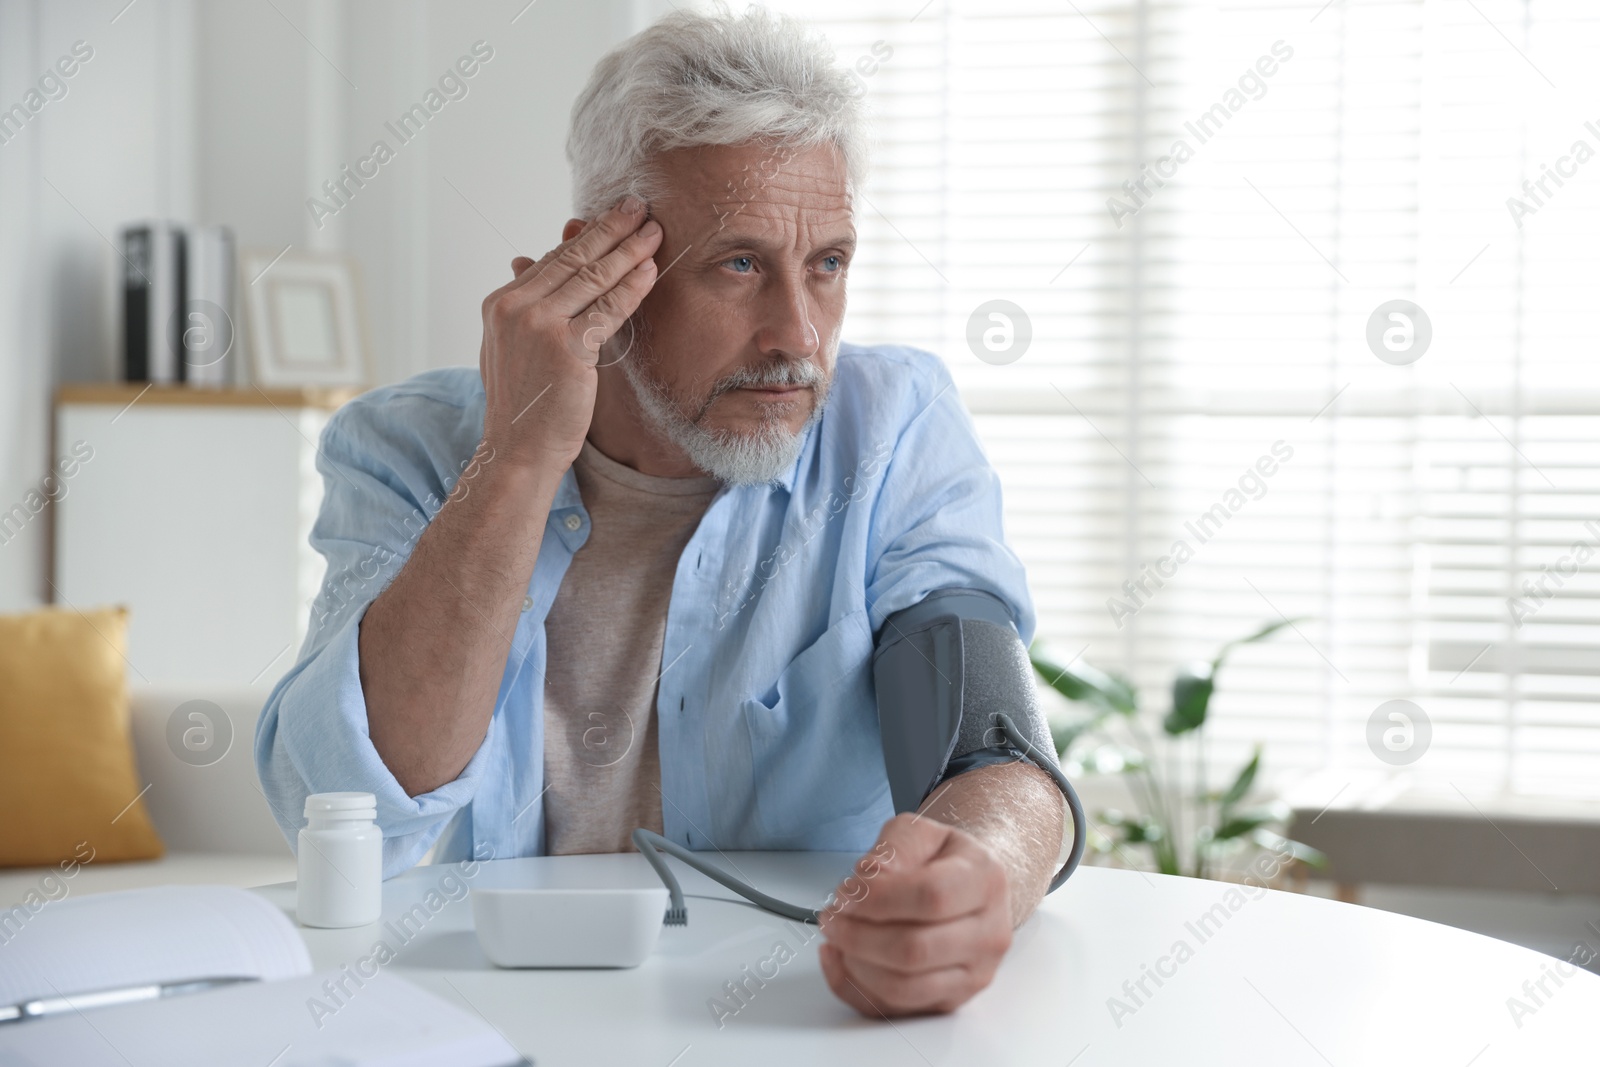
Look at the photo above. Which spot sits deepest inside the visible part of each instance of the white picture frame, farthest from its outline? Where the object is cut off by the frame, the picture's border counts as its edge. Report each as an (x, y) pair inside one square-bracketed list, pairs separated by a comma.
[(306, 319)]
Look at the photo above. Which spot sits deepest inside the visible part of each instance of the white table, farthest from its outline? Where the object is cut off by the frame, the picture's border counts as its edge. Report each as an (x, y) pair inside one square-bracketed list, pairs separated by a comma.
[(1276, 979)]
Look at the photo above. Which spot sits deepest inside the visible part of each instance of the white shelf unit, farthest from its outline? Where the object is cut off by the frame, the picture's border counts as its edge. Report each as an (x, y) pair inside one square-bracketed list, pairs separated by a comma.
[(193, 510)]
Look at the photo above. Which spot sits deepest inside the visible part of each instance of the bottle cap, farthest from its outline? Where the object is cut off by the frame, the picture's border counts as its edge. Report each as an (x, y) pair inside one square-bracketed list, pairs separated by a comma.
[(342, 805)]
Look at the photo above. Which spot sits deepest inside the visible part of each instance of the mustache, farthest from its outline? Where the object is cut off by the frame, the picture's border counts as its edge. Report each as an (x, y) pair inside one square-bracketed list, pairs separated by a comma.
[(801, 372)]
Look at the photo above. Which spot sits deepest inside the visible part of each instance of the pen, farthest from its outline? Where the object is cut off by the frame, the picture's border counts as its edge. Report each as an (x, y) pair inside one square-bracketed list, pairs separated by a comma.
[(33, 1009)]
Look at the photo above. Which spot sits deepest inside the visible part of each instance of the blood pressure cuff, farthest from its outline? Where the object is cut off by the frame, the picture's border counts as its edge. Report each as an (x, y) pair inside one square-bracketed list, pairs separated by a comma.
[(942, 668)]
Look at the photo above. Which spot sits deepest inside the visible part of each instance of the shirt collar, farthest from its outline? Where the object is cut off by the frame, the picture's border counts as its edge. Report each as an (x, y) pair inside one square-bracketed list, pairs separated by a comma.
[(567, 495)]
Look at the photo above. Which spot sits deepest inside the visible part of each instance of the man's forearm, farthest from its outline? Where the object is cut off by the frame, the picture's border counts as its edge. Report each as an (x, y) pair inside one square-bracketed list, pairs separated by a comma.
[(1017, 811), (433, 645)]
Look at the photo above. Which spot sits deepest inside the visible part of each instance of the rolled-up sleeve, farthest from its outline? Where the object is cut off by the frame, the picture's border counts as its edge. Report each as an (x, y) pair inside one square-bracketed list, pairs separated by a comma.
[(382, 483)]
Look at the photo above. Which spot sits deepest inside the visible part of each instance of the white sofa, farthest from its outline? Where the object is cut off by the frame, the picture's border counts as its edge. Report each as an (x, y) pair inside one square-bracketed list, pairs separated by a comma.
[(214, 820)]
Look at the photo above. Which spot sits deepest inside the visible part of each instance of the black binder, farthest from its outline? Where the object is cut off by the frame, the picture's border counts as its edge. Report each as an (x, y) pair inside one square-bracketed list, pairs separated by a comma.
[(153, 282)]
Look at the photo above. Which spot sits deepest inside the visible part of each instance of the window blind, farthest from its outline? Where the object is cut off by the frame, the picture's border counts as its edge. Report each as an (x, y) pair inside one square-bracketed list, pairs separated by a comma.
[(1202, 211)]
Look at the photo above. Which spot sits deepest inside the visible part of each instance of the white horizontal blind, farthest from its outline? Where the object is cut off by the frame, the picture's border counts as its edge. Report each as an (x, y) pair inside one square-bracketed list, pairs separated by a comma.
[(1367, 155)]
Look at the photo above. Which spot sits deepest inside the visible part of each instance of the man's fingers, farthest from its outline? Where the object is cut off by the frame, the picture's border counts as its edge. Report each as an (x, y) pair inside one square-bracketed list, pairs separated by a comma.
[(601, 275), (904, 844), (947, 888), (915, 947), (844, 986), (607, 314), (598, 237), (906, 841), (921, 924), (894, 993), (536, 280), (566, 258)]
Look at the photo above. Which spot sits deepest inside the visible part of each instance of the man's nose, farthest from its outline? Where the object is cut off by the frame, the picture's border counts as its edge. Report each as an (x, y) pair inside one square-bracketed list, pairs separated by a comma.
[(787, 329)]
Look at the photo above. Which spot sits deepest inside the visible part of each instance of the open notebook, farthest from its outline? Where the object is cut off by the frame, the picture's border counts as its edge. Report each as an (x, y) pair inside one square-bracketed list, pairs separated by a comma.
[(73, 959)]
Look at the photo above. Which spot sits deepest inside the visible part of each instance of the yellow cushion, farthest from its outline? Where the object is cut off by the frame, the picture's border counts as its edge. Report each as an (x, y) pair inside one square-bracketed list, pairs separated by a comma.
[(68, 784)]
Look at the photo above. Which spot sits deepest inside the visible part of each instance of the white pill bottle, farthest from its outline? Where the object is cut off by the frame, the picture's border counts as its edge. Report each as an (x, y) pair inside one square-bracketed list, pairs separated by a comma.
[(340, 861)]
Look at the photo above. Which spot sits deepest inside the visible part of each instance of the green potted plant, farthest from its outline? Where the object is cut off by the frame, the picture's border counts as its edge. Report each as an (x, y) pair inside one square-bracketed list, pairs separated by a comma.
[(1188, 827)]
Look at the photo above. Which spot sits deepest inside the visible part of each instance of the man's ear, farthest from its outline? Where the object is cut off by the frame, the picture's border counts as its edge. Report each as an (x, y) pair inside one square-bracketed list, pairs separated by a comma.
[(572, 229)]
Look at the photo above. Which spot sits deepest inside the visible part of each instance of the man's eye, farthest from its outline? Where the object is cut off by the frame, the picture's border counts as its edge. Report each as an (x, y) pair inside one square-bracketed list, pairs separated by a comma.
[(748, 264), (834, 263)]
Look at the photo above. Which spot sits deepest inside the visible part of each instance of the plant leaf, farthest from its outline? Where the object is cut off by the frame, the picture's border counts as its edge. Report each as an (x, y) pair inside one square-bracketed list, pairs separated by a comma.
[(1086, 684), (1136, 829), (1260, 635), (1243, 822), (1241, 784), (1191, 698)]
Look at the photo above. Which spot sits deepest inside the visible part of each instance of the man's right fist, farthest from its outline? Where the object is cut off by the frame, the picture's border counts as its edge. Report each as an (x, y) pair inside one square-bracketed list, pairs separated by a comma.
[(542, 334)]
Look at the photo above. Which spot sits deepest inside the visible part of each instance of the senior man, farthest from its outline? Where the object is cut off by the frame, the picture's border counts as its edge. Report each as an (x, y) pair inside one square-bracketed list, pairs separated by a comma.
[(630, 570)]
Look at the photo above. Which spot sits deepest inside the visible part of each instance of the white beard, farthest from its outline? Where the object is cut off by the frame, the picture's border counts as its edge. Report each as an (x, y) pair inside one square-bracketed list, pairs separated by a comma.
[(730, 457)]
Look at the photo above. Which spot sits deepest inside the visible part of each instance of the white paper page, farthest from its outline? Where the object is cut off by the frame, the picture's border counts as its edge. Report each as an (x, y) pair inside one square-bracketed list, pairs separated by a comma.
[(142, 936), (385, 1022)]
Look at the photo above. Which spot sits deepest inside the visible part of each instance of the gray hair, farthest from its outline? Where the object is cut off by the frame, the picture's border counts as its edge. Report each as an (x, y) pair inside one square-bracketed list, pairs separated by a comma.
[(692, 79)]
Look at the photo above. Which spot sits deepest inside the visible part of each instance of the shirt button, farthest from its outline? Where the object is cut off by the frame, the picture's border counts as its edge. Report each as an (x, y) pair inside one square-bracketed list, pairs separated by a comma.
[(527, 603), (573, 522)]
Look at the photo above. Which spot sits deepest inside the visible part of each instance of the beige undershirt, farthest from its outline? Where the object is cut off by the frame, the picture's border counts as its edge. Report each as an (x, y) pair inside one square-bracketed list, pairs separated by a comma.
[(604, 633)]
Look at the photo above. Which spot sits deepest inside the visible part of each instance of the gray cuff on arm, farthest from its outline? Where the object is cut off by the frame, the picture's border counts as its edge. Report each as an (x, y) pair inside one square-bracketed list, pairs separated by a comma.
[(942, 668), (983, 757), (955, 691)]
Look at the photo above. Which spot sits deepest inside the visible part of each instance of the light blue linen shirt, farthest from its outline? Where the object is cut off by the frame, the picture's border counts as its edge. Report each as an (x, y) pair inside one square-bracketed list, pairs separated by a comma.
[(768, 729)]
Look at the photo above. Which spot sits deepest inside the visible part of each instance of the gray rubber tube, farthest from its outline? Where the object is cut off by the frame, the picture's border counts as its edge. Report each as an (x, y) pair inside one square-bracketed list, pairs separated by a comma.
[(653, 844)]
